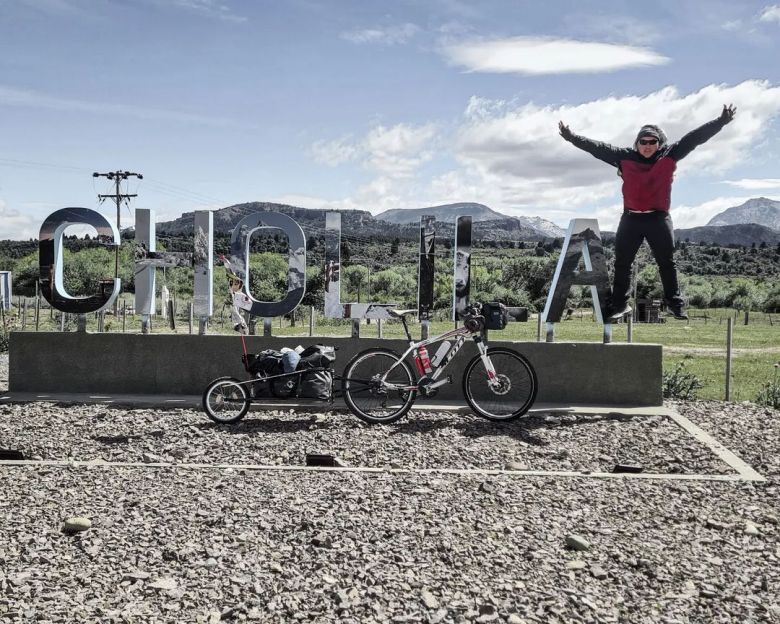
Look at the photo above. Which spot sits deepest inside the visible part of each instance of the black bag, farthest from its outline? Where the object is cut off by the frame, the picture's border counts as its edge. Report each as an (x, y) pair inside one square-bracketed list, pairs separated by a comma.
[(317, 356), (495, 315), (265, 364), (317, 384)]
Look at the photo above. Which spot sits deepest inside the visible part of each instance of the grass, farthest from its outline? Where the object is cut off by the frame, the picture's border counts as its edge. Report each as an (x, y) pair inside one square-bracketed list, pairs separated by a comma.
[(700, 344)]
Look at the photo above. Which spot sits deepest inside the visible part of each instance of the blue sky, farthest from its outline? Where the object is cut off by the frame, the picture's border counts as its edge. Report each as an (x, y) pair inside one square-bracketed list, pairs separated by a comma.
[(376, 105)]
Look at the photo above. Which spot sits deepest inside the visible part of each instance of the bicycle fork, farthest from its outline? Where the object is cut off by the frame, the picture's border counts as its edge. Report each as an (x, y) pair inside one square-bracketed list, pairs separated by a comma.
[(492, 377)]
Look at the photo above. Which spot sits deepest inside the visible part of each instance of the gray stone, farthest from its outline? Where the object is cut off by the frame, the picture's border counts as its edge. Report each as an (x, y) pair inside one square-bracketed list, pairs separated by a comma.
[(76, 524), (598, 572), (515, 465), (164, 583), (577, 542), (429, 600)]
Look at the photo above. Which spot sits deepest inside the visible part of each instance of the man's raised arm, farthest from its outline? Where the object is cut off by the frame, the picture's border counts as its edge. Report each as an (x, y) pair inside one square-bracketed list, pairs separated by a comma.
[(603, 151), (702, 134)]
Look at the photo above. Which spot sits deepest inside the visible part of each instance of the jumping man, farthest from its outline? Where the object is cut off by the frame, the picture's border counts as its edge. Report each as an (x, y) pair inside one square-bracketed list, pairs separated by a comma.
[(647, 170)]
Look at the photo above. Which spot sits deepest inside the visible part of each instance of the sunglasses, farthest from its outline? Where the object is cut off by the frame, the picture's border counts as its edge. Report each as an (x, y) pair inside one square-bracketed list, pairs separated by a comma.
[(648, 141)]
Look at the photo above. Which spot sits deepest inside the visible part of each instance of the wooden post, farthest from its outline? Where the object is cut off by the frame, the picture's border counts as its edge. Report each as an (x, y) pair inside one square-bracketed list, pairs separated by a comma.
[(203, 323), (38, 309), (538, 327), (424, 329), (311, 321), (356, 328), (124, 316), (607, 333), (630, 329), (81, 323), (24, 313), (729, 337), (62, 321), (189, 316), (268, 326), (550, 333), (379, 328)]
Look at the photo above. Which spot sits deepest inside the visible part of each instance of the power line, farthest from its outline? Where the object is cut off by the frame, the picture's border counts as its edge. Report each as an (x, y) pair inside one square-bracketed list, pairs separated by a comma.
[(117, 196)]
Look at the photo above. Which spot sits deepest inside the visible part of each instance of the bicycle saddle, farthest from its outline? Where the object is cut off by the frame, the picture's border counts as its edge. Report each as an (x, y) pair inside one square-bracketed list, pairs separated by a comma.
[(400, 313)]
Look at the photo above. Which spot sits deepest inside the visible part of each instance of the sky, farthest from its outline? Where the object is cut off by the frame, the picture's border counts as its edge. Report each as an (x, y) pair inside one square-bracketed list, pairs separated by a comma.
[(374, 105)]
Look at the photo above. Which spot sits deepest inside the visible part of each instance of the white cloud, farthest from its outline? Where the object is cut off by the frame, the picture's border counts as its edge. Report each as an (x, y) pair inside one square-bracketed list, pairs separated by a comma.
[(336, 152), (213, 9), (685, 216), (515, 154), (389, 35), (539, 55), (395, 152), (16, 225), (400, 150), (770, 14), (509, 156), (755, 183), (11, 96), (732, 25)]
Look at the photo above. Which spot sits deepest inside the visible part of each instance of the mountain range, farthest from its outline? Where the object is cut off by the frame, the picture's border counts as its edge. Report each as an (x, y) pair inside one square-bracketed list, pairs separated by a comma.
[(755, 221), (487, 224)]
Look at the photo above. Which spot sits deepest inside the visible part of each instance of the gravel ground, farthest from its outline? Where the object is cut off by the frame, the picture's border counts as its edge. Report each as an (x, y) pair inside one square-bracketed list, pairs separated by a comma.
[(590, 443), (208, 545)]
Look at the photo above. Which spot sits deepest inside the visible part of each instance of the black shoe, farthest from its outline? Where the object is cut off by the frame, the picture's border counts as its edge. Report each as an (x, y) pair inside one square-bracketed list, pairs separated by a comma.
[(620, 312), (678, 313)]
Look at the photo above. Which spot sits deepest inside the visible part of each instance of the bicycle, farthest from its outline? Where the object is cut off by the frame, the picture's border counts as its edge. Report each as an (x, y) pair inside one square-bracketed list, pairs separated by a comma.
[(379, 385)]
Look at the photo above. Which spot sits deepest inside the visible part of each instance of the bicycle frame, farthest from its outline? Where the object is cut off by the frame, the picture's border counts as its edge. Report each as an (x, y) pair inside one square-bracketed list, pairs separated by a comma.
[(460, 334)]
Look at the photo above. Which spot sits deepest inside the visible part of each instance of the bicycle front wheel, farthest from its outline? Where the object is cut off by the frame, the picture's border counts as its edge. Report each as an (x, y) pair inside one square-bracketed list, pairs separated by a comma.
[(510, 394), (226, 400), (371, 399)]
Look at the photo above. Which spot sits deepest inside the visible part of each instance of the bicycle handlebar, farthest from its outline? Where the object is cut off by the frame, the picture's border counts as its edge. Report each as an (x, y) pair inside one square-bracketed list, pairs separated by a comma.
[(472, 317)]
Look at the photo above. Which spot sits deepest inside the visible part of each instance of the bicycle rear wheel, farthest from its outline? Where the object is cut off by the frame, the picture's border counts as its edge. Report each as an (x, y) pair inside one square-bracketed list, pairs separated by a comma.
[(367, 397), (226, 400), (513, 391)]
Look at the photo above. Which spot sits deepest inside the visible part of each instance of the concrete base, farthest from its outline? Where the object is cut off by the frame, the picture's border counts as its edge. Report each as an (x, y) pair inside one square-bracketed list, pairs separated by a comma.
[(573, 373)]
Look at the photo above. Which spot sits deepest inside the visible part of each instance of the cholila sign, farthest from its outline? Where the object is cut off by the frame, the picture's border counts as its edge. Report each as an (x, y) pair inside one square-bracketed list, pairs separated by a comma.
[(583, 241)]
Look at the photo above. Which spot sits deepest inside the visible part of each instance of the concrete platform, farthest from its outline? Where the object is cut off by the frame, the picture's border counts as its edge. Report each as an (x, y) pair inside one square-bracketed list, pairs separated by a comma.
[(165, 364)]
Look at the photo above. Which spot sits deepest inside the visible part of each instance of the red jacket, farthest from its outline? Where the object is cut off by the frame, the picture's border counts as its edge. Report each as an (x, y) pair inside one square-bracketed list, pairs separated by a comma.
[(647, 182)]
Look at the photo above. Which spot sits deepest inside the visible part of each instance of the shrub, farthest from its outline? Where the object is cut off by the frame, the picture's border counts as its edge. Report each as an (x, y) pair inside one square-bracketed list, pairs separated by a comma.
[(680, 384), (769, 394)]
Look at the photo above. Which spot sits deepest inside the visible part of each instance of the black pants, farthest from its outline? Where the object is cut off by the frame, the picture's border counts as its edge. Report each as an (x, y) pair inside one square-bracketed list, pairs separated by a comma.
[(656, 228)]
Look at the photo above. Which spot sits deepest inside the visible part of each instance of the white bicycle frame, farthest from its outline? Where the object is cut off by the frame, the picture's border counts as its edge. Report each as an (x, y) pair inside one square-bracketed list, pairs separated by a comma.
[(460, 333)]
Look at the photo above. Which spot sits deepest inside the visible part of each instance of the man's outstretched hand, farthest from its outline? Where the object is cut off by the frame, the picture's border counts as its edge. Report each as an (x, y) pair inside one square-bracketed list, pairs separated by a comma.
[(728, 113), (564, 131)]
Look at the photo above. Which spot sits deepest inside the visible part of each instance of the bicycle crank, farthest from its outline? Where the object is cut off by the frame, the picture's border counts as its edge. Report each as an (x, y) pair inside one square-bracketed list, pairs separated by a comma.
[(429, 388)]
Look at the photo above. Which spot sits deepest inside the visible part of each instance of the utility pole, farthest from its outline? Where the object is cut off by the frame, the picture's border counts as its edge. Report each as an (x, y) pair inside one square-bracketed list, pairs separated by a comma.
[(118, 196)]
